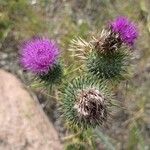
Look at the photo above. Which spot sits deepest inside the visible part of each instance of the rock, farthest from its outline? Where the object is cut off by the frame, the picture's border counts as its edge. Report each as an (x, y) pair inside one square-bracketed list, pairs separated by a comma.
[(23, 124)]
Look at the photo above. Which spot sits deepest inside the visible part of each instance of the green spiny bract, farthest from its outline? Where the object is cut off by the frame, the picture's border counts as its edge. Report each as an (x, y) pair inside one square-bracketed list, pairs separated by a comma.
[(54, 76), (112, 66), (85, 103)]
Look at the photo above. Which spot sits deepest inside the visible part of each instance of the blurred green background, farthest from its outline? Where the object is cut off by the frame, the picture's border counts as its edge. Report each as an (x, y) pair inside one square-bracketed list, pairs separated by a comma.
[(66, 19)]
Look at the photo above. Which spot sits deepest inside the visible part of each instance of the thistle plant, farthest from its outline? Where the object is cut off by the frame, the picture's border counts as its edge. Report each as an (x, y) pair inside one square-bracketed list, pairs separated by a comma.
[(40, 56), (86, 100)]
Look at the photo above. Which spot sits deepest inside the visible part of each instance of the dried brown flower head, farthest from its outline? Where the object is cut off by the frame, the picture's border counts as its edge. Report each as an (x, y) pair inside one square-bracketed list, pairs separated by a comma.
[(107, 42), (90, 105)]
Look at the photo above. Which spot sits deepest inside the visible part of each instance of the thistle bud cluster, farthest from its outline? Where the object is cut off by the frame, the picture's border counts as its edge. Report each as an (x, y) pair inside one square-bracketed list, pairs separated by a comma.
[(84, 100)]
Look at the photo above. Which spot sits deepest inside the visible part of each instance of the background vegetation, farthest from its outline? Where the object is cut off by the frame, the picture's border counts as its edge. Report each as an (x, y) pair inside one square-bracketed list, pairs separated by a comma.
[(64, 20)]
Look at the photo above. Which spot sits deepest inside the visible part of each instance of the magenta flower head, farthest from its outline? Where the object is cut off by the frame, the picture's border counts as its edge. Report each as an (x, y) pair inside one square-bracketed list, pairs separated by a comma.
[(39, 55), (126, 30)]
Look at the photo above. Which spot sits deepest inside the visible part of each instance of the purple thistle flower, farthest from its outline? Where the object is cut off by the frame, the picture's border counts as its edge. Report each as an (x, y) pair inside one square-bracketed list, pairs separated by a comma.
[(126, 30), (39, 55)]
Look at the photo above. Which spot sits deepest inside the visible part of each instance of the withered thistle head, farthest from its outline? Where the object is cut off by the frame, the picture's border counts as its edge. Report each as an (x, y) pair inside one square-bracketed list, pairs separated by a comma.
[(108, 42), (85, 103), (91, 105)]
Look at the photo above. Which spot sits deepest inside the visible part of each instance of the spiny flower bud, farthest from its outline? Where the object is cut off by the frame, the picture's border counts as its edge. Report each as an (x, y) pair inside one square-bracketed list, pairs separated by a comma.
[(85, 103), (108, 67)]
